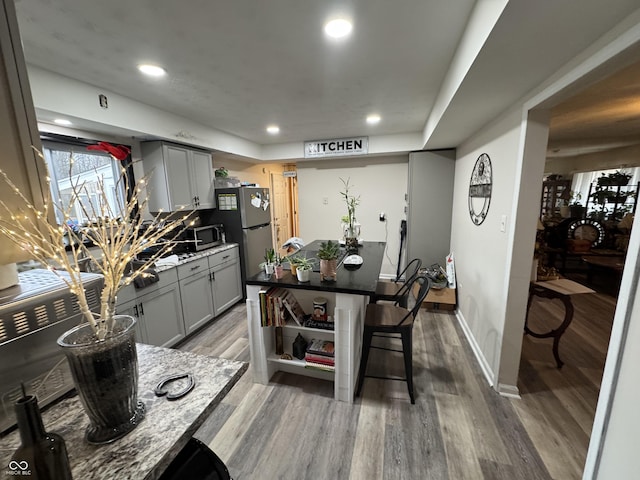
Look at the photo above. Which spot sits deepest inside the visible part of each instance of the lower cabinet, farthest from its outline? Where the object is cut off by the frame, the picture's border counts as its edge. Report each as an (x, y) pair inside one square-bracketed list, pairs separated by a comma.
[(209, 286), (197, 302), (226, 283), (185, 298), (158, 311)]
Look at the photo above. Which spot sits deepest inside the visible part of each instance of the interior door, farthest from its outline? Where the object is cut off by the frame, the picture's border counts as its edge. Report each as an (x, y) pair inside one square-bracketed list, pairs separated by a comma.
[(280, 211)]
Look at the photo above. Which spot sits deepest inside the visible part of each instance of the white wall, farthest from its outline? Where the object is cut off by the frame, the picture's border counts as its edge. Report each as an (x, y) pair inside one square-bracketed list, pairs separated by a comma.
[(381, 183), (481, 251)]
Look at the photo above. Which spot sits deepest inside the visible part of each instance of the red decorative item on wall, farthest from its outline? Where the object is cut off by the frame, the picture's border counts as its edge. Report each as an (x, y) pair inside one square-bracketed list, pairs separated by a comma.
[(119, 152)]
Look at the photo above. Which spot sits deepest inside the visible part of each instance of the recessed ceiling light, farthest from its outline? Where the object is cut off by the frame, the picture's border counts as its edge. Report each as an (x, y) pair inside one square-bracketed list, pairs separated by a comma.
[(62, 121), (338, 28), (273, 129), (152, 70), (373, 119)]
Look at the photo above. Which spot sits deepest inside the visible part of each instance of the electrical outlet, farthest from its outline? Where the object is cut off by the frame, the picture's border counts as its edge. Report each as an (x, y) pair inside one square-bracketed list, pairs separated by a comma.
[(382, 217)]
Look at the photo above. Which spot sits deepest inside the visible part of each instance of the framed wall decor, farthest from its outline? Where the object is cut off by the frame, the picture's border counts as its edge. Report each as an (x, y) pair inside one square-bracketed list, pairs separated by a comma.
[(480, 187)]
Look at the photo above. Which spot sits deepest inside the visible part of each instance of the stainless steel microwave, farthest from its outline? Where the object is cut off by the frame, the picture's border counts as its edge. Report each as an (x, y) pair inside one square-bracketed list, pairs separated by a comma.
[(203, 237)]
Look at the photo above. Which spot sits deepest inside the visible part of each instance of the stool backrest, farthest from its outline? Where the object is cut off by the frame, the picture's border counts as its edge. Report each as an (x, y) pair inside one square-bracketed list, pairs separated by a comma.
[(409, 271), (425, 285)]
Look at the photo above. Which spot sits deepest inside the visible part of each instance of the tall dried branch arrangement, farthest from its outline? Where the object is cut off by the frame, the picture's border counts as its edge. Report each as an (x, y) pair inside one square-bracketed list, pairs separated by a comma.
[(116, 240), (351, 201)]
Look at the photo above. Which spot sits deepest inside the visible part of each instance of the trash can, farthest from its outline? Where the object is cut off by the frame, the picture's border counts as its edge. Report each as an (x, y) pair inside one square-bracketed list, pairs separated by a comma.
[(196, 461)]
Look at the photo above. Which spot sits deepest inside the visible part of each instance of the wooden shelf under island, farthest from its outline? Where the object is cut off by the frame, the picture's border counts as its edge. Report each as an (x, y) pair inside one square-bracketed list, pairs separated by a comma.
[(347, 299)]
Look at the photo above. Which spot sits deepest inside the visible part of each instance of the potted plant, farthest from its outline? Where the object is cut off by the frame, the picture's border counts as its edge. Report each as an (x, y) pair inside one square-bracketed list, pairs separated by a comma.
[(576, 208), (278, 269), (102, 351), (328, 255), (269, 261), (304, 268), (350, 227)]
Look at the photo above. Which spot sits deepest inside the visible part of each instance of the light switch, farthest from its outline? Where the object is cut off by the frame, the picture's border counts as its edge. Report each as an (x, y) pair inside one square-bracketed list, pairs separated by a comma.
[(503, 223)]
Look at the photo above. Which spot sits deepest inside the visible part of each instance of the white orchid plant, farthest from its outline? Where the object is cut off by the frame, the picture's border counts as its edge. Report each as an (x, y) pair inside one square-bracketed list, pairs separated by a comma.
[(110, 242)]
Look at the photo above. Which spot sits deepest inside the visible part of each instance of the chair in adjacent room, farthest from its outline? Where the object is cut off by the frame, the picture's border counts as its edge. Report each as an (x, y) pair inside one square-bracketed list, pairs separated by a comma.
[(392, 321), (398, 289)]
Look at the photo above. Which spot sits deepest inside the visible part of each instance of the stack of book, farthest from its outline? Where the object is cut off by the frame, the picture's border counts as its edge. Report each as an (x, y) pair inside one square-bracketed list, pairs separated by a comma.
[(276, 304), (320, 355)]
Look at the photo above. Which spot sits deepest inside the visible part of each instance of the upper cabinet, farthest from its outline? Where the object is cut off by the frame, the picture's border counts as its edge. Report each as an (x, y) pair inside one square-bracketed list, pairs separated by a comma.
[(179, 177)]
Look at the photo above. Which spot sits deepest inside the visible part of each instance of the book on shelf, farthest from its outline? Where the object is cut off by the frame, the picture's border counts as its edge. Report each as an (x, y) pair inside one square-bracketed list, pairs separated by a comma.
[(321, 347), (320, 366), (323, 359), (294, 308), (309, 322), (273, 311)]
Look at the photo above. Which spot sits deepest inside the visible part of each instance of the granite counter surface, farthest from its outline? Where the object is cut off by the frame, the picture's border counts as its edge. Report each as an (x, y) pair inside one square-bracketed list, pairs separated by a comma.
[(168, 425)]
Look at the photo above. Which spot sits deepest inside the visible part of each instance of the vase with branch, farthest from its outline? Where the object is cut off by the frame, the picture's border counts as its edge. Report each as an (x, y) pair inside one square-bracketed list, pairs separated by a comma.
[(351, 228), (111, 240)]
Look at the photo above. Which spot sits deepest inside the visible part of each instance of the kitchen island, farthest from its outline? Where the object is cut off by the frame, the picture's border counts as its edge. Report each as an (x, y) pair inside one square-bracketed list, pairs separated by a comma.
[(146, 451), (347, 298)]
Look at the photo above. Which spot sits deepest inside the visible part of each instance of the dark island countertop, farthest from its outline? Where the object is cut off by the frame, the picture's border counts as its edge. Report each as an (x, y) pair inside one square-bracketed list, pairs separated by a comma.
[(145, 452), (359, 281)]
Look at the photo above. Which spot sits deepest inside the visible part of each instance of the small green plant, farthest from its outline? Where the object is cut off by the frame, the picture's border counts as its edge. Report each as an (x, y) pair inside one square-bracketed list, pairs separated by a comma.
[(269, 256), (329, 250), (304, 263)]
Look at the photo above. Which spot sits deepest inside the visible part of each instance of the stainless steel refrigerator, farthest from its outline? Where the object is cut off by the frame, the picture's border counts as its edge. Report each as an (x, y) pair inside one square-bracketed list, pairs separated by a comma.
[(245, 213)]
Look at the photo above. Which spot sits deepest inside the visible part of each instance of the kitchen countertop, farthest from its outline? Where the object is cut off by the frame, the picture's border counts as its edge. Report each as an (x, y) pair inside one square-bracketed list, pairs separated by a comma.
[(168, 425), (360, 281), (197, 255)]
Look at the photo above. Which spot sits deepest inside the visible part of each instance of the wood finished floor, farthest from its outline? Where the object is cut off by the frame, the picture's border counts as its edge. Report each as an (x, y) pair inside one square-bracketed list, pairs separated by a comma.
[(459, 427)]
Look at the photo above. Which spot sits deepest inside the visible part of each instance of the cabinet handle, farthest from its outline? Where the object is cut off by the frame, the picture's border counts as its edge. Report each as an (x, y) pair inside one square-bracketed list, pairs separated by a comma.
[(225, 257), (196, 267), (213, 276), (141, 310), (135, 310)]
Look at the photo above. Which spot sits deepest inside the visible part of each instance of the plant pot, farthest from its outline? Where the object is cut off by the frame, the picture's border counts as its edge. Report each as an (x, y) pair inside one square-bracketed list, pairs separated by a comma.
[(351, 244), (577, 211), (303, 275), (294, 268), (565, 211), (328, 271), (279, 271), (269, 268), (105, 374)]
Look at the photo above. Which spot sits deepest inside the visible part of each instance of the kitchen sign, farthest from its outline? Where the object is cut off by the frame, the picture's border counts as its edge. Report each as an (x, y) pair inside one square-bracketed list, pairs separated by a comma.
[(338, 147)]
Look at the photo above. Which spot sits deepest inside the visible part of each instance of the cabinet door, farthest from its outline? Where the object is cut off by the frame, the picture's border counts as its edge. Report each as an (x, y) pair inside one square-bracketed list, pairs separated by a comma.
[(131, 308), (178, 178), (202, 178), (162, 314), (227, 286), (197, 301)]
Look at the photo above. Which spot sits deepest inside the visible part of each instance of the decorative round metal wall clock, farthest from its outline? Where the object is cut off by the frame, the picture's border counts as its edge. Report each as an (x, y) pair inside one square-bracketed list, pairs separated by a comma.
[(586, 229), (480, 189)]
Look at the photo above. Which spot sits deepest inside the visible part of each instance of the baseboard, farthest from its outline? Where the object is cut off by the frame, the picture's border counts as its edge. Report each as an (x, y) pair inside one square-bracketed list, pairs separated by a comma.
[(504, 390), (482, 361), (510, 391)]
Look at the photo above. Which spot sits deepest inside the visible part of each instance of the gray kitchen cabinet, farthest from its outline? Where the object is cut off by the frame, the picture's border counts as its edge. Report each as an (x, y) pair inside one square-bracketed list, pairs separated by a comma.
[(157, 308), (195, 291), (227, 285), (131, 308), (180, 177)]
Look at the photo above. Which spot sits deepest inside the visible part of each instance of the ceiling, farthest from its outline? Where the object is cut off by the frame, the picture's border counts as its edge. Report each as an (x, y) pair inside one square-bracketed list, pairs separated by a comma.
[(238, 66)]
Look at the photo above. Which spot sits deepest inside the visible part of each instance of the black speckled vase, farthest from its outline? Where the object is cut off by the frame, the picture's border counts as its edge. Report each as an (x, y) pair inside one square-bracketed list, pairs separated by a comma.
[(105, 374)]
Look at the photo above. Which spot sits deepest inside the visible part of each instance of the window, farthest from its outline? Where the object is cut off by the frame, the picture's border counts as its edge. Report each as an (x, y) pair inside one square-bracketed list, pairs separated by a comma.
[(90, 170)]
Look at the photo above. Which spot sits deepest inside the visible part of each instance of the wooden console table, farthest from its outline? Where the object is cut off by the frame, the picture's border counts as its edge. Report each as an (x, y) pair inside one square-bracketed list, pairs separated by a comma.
[(561, 289)]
